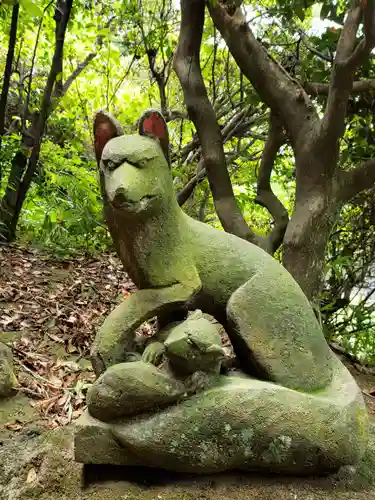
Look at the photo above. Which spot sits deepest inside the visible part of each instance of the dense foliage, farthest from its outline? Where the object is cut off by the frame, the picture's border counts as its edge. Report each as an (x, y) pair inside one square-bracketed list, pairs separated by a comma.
[(118, 56)]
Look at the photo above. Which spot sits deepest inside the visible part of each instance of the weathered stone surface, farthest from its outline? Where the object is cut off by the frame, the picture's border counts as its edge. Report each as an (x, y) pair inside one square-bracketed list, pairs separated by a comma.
[(187, 346), (302, 413), (7, 378), (194, 345), (248, 424), (176, 262), (127, 389), (131, 388), (93, 435), (42, 467)]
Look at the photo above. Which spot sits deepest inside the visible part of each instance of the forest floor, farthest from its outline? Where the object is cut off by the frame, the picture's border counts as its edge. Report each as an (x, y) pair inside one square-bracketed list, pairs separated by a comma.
[(49, 310)]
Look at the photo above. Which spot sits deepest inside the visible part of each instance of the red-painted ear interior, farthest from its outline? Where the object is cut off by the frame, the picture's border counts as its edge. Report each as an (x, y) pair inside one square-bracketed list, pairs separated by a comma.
[(105, 129), (153, 124)]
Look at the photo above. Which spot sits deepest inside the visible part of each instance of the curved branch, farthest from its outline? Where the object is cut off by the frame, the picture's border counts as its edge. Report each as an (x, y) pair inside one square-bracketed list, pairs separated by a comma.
[(188, 189), (265, 196), (274, 85), (175, 114), (357, 87), (367, 43), (236, 124), (187, 67), (314, 51), (159, 76), (63, 10), (347, 59), (352, 182), (80, 67)]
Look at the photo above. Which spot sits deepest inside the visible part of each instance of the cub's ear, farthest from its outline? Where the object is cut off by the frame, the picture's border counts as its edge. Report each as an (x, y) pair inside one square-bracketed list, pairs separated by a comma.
[(152, 124), (105, 128)]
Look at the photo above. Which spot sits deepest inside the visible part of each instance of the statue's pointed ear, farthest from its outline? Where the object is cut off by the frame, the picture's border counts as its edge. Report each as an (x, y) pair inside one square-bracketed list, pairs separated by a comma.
[(105, 128), (152, 124)]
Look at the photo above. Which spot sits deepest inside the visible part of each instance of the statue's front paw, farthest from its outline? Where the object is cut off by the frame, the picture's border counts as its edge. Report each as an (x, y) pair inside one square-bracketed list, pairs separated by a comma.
[(97, 363), (153, 353), (199, 381)]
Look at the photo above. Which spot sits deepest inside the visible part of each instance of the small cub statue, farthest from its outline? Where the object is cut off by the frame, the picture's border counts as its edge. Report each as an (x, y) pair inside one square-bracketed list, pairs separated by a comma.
[(188, 361)]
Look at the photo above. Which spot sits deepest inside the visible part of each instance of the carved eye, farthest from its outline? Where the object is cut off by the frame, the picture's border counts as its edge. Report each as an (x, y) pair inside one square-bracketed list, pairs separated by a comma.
[(141, 163), (111, 165)]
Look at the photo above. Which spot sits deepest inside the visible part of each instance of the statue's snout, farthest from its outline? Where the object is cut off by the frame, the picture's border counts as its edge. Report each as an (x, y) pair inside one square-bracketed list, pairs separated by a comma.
[(116, 188), (119, 197)]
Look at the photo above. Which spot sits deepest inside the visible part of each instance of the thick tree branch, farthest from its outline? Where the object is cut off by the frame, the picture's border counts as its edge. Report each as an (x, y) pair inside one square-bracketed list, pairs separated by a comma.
[(347, 40), (352, 182), (274, 85), (361, 86), (368, 42), (265, 196), (347, 59), (187, 67)]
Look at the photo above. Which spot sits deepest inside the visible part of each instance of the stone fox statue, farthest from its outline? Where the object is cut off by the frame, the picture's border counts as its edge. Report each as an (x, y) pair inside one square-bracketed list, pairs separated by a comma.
[(178, 263)]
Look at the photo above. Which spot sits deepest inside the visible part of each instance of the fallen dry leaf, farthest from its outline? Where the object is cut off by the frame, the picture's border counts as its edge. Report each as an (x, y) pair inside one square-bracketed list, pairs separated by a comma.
[(31, 476), (14, 426), (57, 305)]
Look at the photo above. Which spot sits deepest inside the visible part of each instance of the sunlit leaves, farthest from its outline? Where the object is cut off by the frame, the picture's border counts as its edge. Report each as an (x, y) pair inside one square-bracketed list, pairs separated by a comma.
[(32, 7)]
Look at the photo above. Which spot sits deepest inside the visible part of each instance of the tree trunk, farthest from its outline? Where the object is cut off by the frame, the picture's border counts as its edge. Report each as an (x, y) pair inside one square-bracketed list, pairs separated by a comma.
[(316, 206), (305, 247), (21, 176), (8, 73), (9, 203)]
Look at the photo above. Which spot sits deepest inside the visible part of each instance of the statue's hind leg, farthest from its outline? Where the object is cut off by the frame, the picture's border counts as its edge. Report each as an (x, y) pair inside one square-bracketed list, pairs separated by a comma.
[(275, 333)]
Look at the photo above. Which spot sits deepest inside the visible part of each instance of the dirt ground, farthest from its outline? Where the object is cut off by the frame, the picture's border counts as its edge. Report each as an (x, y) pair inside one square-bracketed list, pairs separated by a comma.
[(49, 310)]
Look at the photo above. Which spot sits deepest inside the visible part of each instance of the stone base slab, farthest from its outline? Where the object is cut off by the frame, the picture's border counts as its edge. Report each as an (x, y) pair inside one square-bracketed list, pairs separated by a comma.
[(94, 443)]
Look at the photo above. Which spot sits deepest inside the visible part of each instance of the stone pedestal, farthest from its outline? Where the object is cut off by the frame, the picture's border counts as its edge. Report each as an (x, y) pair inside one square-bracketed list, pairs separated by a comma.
[(94, 443), (241, 423)]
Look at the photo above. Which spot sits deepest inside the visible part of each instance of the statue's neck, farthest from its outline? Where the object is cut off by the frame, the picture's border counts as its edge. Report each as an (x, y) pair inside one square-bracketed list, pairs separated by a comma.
[(155, 251)]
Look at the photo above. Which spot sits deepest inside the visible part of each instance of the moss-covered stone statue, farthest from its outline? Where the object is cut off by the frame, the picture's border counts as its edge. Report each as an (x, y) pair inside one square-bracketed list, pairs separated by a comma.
[(293, 407)]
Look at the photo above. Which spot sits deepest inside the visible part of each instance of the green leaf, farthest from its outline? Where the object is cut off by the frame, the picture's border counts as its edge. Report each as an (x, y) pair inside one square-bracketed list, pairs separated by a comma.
[(31, 8)]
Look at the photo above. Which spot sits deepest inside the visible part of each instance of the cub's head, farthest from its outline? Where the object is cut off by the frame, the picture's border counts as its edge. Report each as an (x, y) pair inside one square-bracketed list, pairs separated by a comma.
[(194, 345), (134, 169)]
